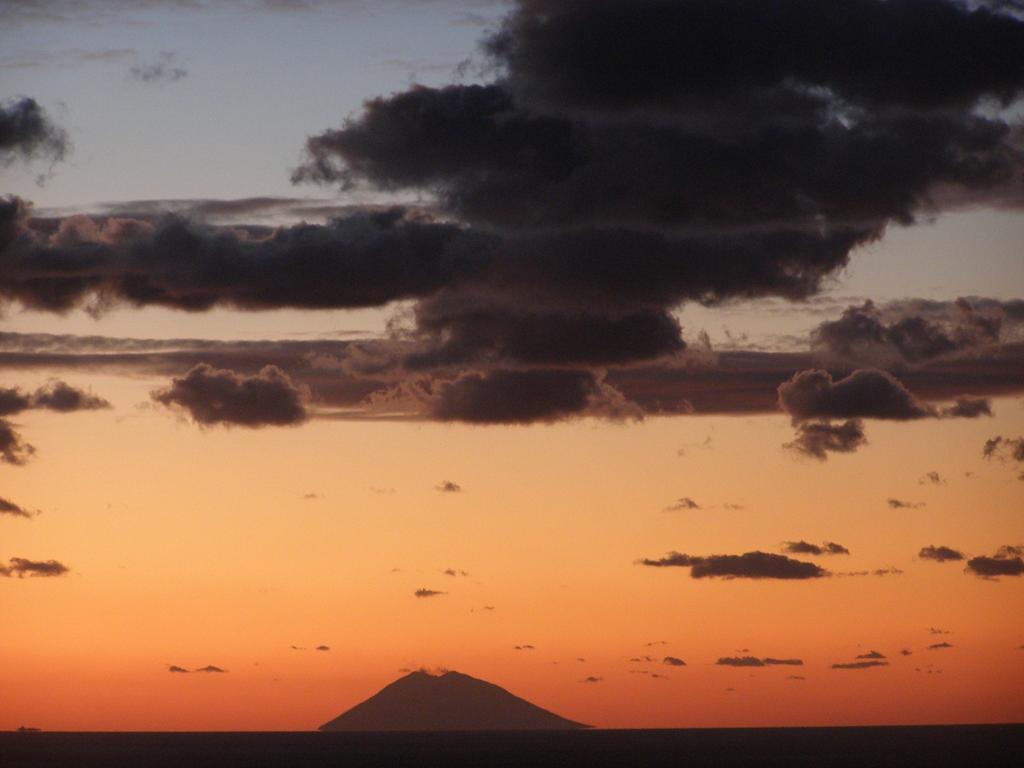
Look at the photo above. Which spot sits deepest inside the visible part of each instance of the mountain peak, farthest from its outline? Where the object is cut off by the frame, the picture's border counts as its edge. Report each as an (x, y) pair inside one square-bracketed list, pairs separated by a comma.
[(449, 701)]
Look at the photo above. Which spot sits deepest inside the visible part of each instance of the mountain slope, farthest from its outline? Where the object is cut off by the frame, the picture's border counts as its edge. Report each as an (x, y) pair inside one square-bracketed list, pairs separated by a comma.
[(448, 702)]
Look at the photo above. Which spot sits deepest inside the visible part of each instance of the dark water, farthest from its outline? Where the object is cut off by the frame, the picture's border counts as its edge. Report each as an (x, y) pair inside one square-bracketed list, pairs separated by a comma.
[(961, 746)]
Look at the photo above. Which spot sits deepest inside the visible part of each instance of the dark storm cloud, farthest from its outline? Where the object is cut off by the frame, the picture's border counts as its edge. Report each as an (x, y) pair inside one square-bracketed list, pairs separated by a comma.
[(13, 450), (343, 374), (750, 565), (423, 592), (904, 333), (623, 160), (12, 509), (459, 332), (806, 548), (819, 438), (865, 393), (21, 567), (510, 397), (367, 259), (27, 133), (666, 55), (673, 661), (940, 554), (861, 665), (216, 396)]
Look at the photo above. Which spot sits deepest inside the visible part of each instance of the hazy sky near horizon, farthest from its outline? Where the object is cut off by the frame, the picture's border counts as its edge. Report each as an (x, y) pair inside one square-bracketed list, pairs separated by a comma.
[(674, 347)]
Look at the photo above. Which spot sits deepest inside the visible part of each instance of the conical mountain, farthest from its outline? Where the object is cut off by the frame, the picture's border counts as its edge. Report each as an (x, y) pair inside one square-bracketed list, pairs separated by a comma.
[(448, 702)]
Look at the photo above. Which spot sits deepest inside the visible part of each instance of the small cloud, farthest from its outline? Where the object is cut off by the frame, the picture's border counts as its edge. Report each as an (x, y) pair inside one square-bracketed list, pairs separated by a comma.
[(63, 398), (448, 487), (12, 509), (906, 652), (176, 668), (22, 567), (938, 631), (592, 679), (817, 439), (931, 478), (323, 648), (898, 504), (861, 665), (1006, 562), (750, 565), (890, 571), (653, 643), (939, 646), (454, 572), (673, 661), (164, 70), (422, 592), (739, 661), (681, 504), (968, 408), (310, 496), (210, 668), (806, 548), (526, 647), (871, 655), (940, 554), (218, 396), (641, 659), (795, 677)]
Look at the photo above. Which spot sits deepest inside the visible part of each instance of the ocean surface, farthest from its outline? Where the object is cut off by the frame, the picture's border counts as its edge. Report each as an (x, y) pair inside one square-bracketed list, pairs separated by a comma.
[(931, 746)]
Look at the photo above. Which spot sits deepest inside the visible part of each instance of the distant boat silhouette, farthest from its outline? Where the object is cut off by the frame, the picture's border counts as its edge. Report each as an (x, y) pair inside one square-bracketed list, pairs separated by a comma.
[(448, 702)]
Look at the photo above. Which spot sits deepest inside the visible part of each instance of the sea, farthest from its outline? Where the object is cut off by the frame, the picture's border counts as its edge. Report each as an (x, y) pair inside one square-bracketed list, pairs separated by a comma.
[(967, 746)]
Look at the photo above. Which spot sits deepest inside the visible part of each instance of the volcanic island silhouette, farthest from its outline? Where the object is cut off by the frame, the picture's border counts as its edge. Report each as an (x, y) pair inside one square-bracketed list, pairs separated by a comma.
[(451, 701)]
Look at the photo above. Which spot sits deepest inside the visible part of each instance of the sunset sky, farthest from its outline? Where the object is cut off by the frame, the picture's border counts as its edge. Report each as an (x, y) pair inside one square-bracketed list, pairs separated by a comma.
[(660, 361)]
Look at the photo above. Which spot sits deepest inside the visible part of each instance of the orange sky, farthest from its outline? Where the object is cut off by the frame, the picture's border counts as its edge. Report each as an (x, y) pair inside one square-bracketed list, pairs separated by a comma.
[(195, 547)]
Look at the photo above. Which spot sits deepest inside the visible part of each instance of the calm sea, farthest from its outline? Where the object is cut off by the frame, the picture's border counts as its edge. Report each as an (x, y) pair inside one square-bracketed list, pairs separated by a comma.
[(927, 746)]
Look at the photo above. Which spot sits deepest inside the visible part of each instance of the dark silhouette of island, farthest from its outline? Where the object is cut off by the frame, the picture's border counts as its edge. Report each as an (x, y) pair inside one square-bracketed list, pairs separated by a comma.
[(451, 701)]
